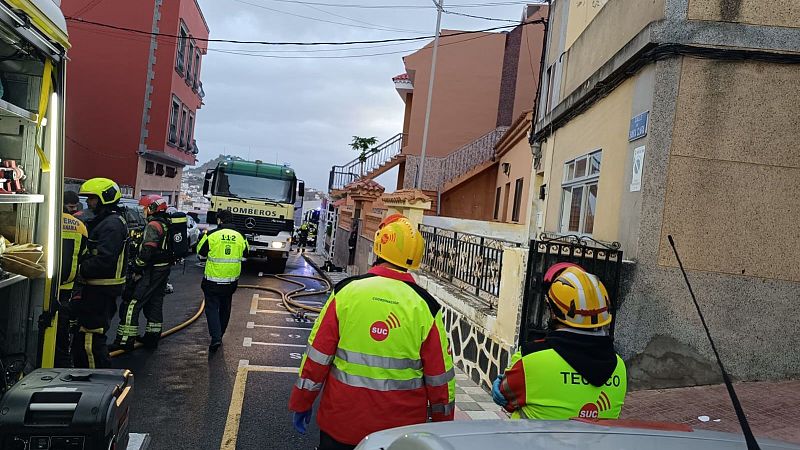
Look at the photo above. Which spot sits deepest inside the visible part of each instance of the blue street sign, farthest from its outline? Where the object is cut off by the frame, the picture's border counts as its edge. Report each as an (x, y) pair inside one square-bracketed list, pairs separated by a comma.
[(638, 127)]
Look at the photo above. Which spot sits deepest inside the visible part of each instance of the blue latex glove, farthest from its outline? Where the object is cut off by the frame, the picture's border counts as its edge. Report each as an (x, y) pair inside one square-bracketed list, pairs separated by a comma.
[(497, 396), (300, 420)]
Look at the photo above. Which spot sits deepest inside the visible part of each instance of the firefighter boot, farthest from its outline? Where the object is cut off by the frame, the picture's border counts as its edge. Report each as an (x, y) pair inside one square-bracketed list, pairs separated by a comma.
[(149, 340), (123, 346)]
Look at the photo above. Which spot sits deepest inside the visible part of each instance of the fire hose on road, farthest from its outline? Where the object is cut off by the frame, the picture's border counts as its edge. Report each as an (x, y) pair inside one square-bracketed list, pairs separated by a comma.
[(297, 309)]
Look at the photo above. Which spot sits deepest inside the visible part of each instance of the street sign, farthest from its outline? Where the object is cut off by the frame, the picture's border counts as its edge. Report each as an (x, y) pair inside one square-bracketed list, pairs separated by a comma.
[(638, 168), (638, 127)]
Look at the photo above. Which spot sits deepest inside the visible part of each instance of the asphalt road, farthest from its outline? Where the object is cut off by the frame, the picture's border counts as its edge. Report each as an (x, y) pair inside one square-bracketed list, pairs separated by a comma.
[(183, 395)]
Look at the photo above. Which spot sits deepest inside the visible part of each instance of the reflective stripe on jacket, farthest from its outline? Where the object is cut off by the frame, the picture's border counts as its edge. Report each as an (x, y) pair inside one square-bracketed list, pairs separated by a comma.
[(541, 384), (73, 245), (224, 249), (105, 262), (380, 349)]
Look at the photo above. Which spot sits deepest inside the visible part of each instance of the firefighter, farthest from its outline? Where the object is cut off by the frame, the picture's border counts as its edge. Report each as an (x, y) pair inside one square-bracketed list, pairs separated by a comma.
[(224, 248), (379, 348), (147, 283), (302, 237), (573, 371), (101, 274), (73, 246)]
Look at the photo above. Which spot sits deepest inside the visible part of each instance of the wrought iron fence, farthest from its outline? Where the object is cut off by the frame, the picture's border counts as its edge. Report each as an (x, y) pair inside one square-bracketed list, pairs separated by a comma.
[(471, 262), (599, 258)]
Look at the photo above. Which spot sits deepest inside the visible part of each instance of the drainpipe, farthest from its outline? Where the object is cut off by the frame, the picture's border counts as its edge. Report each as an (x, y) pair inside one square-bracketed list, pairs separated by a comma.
[(542, 64)]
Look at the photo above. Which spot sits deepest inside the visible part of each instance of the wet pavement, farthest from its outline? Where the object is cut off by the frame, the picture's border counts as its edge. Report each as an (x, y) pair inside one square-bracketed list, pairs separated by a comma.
[(183, 395)]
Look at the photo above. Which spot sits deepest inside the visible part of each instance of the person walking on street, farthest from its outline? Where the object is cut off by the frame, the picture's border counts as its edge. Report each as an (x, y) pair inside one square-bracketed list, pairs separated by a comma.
[(73, 247), (224, 248), (302, 237), (379, 349), (573, 371), (101, 274), (148, 281)]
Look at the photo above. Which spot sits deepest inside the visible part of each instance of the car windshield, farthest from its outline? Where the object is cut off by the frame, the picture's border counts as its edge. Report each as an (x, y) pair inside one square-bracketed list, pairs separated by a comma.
[(245, 186)]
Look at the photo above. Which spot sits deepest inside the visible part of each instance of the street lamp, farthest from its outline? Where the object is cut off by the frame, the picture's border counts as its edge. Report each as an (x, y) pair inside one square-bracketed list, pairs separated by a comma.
[(421, 168)]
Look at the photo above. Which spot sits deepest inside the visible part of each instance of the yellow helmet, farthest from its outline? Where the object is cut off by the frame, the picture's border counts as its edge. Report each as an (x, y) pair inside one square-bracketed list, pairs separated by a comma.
[(577, 298), (107, 190), (399, 242)]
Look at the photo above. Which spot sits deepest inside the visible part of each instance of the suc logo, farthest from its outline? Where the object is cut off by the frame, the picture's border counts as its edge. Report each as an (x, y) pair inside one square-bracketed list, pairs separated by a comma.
[(380, 329)]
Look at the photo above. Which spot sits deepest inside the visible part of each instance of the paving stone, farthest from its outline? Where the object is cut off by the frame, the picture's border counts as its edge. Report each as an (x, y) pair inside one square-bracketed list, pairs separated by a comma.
[(483, 415), (468, 406)]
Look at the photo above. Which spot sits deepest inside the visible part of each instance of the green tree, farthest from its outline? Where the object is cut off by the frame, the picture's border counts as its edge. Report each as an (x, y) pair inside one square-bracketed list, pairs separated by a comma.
[(364, 146)]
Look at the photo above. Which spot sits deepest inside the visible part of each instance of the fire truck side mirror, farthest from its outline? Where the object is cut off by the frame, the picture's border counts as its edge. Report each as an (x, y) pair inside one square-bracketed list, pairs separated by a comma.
[(301, 189), (207, 182)]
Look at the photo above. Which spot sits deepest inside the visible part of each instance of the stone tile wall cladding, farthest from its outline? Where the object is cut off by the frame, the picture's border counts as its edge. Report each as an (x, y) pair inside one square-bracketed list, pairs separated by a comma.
[(439, 171), (481, 358)]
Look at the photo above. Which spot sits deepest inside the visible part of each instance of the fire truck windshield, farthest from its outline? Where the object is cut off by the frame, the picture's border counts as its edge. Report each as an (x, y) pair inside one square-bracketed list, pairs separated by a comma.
[(251, 187)]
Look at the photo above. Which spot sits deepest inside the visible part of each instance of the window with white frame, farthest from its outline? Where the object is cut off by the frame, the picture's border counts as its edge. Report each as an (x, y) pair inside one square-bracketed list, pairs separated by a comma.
[(579, 193), (173, 120), (189, 61), (183, 36), (182, 142), (189, 131)]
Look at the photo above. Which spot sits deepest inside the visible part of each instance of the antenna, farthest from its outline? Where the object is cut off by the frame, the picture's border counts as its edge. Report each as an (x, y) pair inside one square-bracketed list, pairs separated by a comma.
[(748, 433)]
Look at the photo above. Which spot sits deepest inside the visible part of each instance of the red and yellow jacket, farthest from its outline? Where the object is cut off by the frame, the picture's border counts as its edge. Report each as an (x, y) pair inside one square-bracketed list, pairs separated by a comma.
[(380, 349)]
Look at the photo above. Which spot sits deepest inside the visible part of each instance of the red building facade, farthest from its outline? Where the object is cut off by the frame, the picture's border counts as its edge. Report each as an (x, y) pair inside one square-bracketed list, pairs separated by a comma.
[(133, 97)]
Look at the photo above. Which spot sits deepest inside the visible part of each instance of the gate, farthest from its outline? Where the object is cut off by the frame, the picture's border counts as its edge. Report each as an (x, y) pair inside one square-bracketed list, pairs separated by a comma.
[(601, 259)]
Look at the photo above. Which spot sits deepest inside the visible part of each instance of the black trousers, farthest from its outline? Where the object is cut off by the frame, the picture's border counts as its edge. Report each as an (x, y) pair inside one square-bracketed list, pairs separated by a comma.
[(146, 295), (326, 442), (218, 307), (63, 358), (93, 311)]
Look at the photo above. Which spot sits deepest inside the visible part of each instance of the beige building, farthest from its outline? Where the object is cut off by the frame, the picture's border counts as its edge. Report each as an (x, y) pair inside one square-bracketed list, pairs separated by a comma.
[(680, 117)]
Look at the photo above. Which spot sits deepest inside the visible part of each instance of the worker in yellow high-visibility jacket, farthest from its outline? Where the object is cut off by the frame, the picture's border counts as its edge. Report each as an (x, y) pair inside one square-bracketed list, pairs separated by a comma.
[(573, 371), (379, 348), (73, 246)]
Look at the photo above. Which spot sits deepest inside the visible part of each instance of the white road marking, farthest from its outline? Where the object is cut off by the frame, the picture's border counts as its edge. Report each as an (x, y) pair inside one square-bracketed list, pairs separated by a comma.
[(254, 325), (270, 299), (248, 342), (271, 311), (254, 304), (244, 362), (274, 335), (252, 342)]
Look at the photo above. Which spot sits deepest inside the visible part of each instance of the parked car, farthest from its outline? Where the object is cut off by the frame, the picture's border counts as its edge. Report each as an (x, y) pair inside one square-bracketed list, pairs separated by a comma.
[(566, 434), (134, 214), (194, 232)]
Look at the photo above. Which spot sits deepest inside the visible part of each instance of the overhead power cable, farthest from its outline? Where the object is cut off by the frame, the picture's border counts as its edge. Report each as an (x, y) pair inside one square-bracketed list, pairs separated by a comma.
[(238, 41), (456, 13), (362, 55), (317, 19), (397, 6)]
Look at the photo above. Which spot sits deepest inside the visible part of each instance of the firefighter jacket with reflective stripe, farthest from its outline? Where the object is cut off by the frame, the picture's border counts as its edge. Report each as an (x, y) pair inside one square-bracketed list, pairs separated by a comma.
[(73, 245), (380, 349), (105, 261), (224, 249), (153, 250), (567, 374)]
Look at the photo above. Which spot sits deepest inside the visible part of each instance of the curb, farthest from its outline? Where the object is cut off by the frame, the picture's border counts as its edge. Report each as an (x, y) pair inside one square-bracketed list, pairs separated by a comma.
[(318, 269)]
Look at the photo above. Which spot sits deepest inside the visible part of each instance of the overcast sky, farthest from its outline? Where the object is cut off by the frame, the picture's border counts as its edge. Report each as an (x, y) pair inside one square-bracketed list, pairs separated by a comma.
[(304, 111)]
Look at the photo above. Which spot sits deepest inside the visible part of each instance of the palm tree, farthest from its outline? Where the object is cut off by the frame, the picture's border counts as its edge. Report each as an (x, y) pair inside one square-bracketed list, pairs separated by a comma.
[(364, 146)]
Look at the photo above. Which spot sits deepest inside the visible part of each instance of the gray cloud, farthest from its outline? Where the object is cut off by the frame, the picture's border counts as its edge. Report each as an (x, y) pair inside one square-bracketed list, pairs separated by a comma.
[(307, 110)]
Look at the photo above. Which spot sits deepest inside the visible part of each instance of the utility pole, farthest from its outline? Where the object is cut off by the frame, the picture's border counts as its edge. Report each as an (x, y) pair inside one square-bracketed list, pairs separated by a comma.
[(421, 168)]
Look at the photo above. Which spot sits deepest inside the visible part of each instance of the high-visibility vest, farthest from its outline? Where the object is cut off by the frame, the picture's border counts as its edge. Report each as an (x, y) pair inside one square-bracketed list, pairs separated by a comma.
[(225, 250), (556, 391), (381, 350), (73, 243)]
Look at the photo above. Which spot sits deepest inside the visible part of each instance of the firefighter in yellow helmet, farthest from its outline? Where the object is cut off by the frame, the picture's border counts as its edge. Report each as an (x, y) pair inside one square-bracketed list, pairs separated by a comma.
[(573, 371), (379, 348), (101, 275)]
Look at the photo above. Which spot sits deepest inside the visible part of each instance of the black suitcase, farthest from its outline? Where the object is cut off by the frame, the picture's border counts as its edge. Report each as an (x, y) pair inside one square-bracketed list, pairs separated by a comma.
[(67, 409)]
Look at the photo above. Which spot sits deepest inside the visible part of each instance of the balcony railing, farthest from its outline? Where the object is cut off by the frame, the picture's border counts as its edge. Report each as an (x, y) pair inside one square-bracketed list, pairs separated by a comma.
[(341, 176), (471, 262), (440, 171)]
